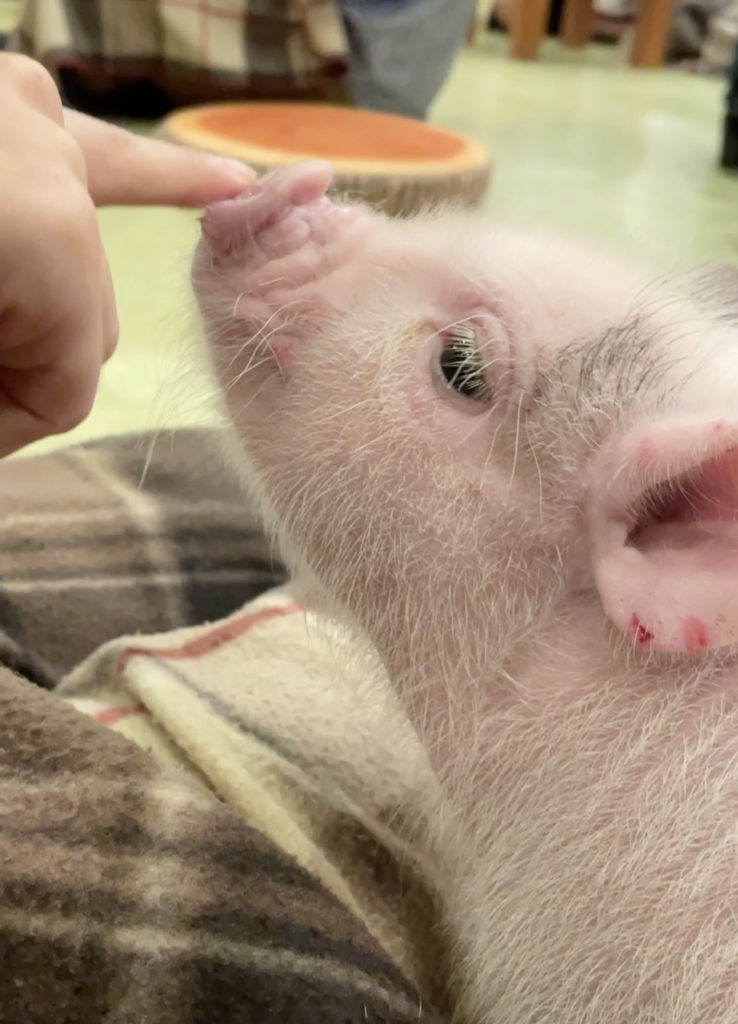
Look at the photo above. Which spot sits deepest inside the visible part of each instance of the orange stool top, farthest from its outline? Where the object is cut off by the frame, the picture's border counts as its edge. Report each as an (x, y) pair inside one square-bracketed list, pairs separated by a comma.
[(395, 163)]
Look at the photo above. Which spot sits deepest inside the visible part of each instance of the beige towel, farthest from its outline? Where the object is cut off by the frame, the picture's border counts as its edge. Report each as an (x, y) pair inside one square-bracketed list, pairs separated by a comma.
[(268, 711)]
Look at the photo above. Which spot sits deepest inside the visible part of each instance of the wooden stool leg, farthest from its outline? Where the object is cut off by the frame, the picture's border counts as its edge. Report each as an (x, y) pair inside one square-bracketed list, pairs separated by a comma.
[(529, 21), (652, 27), (576, 26)]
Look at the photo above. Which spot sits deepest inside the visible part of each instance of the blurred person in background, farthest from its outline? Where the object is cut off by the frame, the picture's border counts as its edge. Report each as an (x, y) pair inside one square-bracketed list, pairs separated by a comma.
[(118, 59)]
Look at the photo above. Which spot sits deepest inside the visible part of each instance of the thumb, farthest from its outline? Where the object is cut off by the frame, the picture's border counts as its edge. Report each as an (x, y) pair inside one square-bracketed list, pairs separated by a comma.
[(132, 170)]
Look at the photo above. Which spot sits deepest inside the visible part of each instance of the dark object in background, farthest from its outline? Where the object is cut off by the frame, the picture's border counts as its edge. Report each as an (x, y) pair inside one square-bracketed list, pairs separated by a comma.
[(139, 100), (689, 28), (554, 19), (729, 154)]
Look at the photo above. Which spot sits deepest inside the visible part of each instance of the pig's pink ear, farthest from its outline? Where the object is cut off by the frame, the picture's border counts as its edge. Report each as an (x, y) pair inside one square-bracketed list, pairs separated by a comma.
[(664, 534)]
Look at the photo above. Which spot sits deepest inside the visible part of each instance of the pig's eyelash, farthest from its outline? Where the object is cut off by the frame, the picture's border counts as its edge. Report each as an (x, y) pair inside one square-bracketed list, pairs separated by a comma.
[(462, 332), (462, 364)]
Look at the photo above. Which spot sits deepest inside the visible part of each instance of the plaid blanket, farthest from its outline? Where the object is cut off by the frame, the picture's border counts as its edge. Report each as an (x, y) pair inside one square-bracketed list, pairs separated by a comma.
[(198, 826), (148, 531), (141, 58)]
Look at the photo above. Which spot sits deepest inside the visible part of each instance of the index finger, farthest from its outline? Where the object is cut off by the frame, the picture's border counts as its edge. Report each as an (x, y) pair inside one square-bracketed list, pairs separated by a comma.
[(133, 170)]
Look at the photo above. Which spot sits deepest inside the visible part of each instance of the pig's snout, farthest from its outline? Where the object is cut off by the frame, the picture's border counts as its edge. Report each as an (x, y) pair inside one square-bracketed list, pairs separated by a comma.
[(276, 257), (227, 226)]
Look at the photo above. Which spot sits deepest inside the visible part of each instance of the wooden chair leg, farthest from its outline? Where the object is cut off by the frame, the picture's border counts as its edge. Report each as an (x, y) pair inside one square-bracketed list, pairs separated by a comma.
[(528, 28), (577, 22), (652, 28)]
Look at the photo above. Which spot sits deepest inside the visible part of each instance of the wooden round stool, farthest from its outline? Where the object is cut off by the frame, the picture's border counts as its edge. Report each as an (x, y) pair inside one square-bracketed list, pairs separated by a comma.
[(398, 165)]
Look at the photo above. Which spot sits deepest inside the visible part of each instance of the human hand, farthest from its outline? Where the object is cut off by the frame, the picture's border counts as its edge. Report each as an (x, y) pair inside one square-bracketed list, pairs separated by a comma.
[(133, 170), (58, 322)]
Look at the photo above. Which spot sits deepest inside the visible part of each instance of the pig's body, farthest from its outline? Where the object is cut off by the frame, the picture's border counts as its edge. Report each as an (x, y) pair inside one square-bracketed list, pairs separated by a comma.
[(513, 466)]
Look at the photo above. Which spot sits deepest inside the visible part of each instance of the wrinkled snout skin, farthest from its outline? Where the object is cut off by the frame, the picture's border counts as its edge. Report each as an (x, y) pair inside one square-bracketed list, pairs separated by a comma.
[(512, 464)]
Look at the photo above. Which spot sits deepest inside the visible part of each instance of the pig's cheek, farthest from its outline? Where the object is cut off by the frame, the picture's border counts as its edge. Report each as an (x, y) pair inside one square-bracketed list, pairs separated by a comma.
[(443, 424)]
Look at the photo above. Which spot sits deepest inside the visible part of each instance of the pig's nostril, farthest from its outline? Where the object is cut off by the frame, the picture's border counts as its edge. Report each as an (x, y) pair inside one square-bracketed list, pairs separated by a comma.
[(707, 492)]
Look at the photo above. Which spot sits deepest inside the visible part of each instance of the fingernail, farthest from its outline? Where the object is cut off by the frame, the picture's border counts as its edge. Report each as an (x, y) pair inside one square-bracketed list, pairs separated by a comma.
[(237, 172)]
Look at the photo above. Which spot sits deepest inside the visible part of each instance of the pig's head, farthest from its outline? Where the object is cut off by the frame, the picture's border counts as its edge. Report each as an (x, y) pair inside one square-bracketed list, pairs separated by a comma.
[(453, 426), (513, 464)]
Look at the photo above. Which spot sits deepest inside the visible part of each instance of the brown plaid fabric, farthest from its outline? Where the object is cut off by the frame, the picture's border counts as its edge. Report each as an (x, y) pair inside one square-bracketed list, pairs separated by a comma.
[(146, 532), (129, 894), (143, 57)]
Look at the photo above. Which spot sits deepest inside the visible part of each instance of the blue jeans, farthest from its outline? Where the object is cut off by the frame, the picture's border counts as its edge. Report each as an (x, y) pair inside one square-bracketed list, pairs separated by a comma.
[(402, 50)]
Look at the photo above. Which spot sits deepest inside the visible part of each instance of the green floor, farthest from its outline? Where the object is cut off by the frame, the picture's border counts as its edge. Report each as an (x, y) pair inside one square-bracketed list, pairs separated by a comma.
[(580, 142)]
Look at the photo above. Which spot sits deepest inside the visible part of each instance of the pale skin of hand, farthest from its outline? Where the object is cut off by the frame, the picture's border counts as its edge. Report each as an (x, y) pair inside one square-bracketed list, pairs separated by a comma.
[(58, 321)]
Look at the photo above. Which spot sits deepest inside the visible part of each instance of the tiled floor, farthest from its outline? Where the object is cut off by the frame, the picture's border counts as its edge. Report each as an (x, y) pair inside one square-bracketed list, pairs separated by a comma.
[(580, 141)]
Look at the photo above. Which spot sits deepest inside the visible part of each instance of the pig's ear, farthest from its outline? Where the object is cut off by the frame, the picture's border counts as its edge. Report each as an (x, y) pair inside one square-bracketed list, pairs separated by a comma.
[(663, 518)]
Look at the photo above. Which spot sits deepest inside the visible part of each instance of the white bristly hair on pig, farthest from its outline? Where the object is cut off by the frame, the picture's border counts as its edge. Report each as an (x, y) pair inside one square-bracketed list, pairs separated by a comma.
[(587, 831)]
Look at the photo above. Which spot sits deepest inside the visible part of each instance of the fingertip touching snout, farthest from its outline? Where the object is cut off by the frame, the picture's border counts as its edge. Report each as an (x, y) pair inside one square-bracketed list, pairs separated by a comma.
[(234, 222)]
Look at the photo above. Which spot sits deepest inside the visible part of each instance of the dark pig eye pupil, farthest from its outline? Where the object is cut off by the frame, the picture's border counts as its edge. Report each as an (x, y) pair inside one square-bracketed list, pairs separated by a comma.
[(462, 367)]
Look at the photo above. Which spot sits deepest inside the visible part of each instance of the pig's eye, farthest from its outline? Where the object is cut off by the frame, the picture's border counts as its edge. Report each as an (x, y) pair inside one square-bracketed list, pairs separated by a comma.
[(462, 364)]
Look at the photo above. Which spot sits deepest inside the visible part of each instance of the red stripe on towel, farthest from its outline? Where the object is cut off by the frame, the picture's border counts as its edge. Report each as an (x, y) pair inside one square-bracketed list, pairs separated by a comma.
[(111, 716), (208, 642)]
